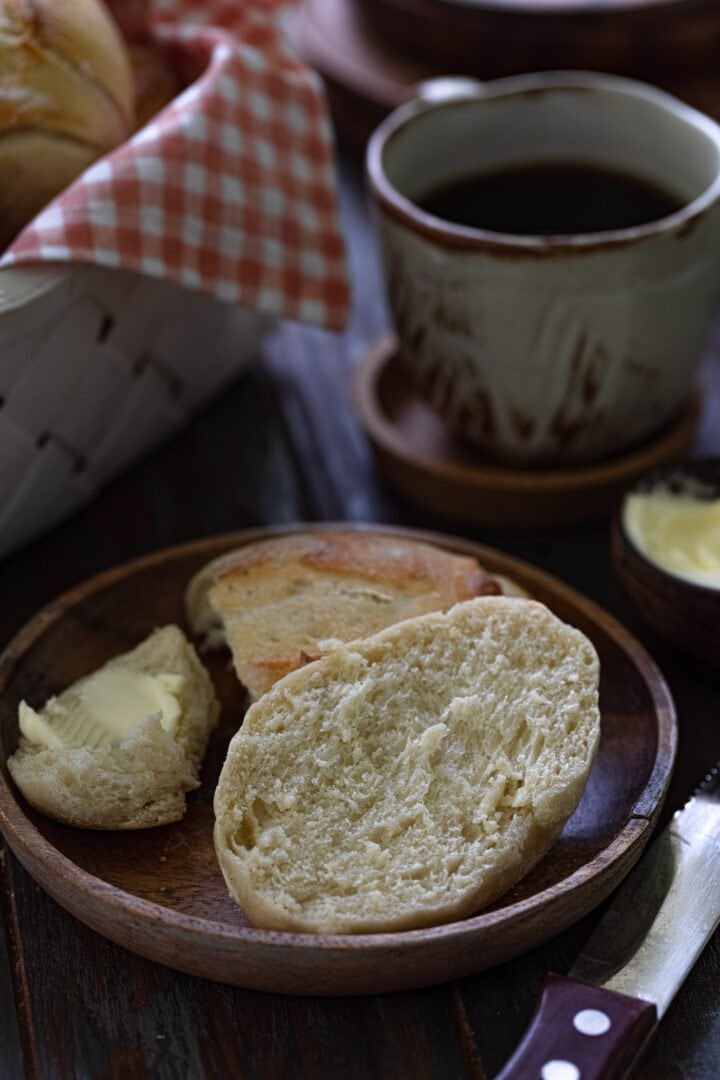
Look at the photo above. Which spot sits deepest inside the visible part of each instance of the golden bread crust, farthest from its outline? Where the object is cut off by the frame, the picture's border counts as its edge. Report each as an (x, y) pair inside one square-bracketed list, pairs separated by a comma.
[(276, 601)]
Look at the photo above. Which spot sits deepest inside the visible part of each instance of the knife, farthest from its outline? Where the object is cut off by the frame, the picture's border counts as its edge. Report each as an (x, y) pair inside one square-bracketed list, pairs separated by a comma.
[(594, 1024)]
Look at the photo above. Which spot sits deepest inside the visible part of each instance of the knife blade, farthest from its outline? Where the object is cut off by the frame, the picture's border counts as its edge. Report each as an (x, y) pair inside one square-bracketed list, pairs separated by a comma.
[(594, 1023)]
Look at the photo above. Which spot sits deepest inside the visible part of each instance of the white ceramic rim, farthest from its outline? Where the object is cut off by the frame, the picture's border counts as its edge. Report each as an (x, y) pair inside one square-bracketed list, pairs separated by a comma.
[(453, 235)]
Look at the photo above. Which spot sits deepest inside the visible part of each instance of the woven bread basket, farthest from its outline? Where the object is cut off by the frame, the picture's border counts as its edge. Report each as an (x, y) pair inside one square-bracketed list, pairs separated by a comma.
[(98, 366)]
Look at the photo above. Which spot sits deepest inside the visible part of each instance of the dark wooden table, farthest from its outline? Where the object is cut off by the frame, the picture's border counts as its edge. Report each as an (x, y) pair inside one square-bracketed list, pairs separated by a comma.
[(282, 445)]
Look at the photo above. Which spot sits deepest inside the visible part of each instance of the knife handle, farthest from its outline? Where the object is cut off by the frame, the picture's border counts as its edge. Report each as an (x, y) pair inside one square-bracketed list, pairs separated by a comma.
[(581, 1032)]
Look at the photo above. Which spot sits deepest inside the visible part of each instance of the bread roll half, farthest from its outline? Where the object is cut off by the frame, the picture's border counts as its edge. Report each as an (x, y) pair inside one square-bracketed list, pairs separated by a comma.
[(276, 601), (410, 778)]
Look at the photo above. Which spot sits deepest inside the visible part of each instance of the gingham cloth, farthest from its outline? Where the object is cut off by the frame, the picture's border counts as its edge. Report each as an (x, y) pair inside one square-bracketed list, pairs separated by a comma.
[(231, 188)]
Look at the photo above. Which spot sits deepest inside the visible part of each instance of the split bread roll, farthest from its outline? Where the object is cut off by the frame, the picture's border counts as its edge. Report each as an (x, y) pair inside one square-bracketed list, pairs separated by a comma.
[(110, 778), (66, 98), (276, 601), (411, 778)]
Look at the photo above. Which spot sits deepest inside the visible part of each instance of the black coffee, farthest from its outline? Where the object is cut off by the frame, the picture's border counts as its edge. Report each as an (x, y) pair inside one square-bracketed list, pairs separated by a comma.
[(542, 200)]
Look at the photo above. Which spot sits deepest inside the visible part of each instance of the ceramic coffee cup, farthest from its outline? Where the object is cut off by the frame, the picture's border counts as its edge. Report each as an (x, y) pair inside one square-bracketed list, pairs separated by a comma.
[(577, 341)]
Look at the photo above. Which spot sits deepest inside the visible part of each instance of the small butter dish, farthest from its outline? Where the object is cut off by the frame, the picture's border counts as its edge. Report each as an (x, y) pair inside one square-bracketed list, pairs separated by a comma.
[(665, 549)]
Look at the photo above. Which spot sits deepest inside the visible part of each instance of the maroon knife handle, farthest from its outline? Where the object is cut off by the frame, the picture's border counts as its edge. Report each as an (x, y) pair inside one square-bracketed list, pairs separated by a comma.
[(588, 1032)]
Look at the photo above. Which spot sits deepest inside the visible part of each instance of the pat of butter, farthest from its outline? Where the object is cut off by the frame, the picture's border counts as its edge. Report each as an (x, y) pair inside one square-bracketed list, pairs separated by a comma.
[(678, 532), (103, 709)]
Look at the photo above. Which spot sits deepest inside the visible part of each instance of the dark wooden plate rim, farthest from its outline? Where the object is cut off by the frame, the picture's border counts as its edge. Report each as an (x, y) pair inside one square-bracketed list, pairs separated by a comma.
[(25, 839)]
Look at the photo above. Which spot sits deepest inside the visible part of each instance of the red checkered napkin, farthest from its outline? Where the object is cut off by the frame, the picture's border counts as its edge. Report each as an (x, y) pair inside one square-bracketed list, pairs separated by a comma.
[(230, 189)]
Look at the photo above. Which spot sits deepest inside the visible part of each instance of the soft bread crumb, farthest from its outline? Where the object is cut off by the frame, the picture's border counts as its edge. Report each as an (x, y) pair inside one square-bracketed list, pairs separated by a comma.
[(142, 781), (410, 778), (275, 601)]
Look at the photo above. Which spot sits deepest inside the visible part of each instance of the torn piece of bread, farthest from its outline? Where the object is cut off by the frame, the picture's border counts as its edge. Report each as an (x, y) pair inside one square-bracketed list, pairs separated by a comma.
[(411, 778), (120, 748), (275, 602)]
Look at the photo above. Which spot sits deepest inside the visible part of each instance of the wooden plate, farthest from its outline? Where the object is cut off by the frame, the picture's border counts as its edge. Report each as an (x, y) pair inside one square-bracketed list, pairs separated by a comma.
[(433, 469), (651, 39), (371, 52), (159, 892)]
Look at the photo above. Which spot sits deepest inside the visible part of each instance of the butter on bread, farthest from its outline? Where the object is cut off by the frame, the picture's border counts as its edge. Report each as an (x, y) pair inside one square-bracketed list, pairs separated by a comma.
[(275, 602), (66, 98), (411, 778), (120, 748)]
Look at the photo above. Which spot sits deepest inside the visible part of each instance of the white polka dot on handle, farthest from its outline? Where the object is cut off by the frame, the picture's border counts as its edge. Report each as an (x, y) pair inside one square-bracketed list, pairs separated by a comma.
[(559, 1070), (592, 1022)]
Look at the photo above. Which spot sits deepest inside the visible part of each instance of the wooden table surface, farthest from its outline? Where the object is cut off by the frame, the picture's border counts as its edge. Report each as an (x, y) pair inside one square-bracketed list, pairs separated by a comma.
[(283, 445)]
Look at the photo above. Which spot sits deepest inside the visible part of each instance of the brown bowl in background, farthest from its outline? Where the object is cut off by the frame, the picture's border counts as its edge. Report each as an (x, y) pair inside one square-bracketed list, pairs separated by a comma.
[(679, 612)]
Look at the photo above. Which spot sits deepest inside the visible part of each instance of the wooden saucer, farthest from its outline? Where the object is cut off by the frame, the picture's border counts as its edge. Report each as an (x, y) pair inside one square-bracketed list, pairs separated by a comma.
[(430, 467)]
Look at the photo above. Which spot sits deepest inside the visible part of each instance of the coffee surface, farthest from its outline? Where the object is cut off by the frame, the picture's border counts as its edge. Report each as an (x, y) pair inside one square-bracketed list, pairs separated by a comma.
[(550, 199)]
